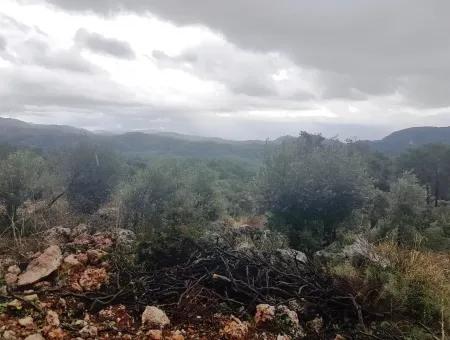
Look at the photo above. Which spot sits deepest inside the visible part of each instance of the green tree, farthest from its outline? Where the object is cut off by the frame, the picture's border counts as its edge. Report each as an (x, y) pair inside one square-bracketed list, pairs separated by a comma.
[(22, 175), (431, 164), (312, 185), (91, 174)]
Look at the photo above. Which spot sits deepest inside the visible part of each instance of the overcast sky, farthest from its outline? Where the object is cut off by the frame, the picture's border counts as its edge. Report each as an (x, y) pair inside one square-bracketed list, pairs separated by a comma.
[(240, 69)]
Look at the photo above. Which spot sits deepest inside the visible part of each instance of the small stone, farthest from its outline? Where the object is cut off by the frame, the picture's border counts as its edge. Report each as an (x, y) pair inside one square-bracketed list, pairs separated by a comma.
[(95, 256), (154, 317), (9, 335), (154, 334), (176, 335), (36, 336), (12, 275), (264, 314), (14, 305), (56, 334), (92, 279), (89, 332), (316, 325), (235, 329), (52, 319), (26, 322), (31, 297), (339, 337), (288, 315), (71, 261), (283, 337)]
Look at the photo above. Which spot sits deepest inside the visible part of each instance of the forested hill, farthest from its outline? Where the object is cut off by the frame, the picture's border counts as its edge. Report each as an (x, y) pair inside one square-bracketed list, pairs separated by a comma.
[(402, 140), (153, 144), (49, 137)]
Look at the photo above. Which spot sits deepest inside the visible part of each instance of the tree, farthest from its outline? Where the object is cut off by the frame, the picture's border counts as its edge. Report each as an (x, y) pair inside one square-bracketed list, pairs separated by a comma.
[(314, 184), (168, 195), (431, 164), (22, 176), (91, 174)]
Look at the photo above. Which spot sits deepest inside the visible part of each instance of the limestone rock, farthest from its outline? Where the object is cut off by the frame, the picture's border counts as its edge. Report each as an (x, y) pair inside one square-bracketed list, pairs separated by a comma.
[(89, 332), (26, 322), (52, 319), (36, 336), (155, 334), (93, 278), (235, 329), (154, 317), (41, 267), (264, 314)]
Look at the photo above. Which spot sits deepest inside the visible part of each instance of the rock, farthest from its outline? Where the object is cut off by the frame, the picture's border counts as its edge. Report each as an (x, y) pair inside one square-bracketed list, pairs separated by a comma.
[(362, 249), (339, 337), (264, 314), (93, 278), (12, 275), (36, 336), (14, 305), (9, 335), (41, 267), (288, 316), (79, 230), (52, 319), (283, 337), (57, 235), (154, 317), (154, 334), (71, 261), (234, 329), (31, 297), (89, 332), (102, 241), (26, 322), (176, 335), (316, 325), (292, 256), (117, 314), (56, 334), (124, 237), (95, 256)]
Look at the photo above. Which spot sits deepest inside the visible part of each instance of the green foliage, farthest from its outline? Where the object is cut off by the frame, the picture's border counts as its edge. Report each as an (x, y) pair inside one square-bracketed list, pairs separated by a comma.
[(311, 185), (90, 174), (169, 194), (23, 177), (431, 164)]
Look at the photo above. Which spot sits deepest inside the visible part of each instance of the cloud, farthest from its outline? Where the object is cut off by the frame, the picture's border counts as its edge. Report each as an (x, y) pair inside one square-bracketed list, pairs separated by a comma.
[(368, 47), (108, 46), (2, 43)]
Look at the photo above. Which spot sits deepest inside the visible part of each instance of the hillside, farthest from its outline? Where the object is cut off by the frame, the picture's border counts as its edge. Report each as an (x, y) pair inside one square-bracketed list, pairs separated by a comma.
[(49, 137), (401, 140)]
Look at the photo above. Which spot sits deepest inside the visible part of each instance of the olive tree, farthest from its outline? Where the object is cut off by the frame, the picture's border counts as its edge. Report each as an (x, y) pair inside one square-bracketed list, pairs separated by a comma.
[(310, 185)]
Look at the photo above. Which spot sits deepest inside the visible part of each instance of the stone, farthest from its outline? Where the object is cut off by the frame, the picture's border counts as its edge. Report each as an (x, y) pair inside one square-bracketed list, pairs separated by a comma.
[(9, 335), (41, 267), (234, 329), (154, 334), (124, 237), (154, 317), (79, 230), (117, 314), (264, 314), (316, 325), (12, 275), (56, 334), (36, 336), (52, 319), (283, 337), (95, 256), (71, 261), (57, 236), (292, 255), (89, 332), (14, 305), (176, 335), (92, 279), (339, 337), (26, 322), (289, 316)]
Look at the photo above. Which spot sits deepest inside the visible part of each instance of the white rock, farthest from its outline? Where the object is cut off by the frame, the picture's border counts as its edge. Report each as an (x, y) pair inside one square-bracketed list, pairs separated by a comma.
[(154, 317), (41, 267)]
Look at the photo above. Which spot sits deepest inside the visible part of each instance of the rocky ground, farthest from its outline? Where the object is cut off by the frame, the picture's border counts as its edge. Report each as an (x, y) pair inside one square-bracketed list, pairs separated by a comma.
[(52, 295)]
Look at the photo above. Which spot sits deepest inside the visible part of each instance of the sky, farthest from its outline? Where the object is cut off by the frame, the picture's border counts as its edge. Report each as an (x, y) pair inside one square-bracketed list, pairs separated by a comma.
[(237, 69)]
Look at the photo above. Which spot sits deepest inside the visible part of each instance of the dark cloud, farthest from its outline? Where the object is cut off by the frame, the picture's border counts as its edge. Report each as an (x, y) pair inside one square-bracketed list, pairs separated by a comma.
[(97, 43), (370, 47)]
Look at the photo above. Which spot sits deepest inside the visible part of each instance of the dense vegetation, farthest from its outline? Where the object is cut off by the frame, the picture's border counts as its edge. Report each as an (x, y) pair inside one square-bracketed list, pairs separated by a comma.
[(320, 196)]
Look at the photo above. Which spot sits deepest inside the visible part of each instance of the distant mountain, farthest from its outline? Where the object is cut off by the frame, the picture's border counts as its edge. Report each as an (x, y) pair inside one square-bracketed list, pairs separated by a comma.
[(47, 137), (402, 140), (169, 144)]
